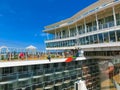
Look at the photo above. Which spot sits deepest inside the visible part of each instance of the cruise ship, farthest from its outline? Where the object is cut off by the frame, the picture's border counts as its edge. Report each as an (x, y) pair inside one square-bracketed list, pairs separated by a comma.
[(92, 36)]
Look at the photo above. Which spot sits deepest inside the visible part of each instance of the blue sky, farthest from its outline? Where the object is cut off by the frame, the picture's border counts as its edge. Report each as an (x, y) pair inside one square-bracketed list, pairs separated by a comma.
[(22, 21)]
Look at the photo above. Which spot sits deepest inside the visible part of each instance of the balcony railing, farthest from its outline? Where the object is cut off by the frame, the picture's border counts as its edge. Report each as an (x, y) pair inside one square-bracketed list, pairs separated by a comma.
[(49, 71), (24, 75), (38, 72), (106, 25), (8, 77), (88, 29)]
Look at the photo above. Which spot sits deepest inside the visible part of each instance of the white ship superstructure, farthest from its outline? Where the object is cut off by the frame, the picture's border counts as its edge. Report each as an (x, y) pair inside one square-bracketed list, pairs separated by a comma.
[(96, 27), (94, 32)]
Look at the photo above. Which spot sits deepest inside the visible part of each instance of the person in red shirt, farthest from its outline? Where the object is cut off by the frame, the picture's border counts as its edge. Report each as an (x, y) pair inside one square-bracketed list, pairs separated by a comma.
[(21, 55)]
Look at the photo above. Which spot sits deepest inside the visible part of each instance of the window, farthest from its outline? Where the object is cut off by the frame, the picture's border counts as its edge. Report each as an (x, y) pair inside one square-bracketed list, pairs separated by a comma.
[(36, 67), (55, 64), (100, 38), (91, 39), (106, 37), (95, 38), (87, 40), (112, 36), (22, 69), (8, 70), (82, 41), (46, 65), (118, 18), (118, 35)]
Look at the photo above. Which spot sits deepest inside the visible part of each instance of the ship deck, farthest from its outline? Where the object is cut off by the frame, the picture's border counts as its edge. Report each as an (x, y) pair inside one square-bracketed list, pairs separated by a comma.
[(33, 62)]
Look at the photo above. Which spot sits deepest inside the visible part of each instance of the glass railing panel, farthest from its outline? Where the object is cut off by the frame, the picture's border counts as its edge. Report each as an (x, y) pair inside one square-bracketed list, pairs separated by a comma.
[(59, 69), (8, 77), (38, 72), (58, 80), (100, 26), (58, 76), (65, 73), (71, 67), (81, 31), (67, 78), (111, 24), (48, 71), (24, 75), (72, 72), (22, 84), (88, 29), (49, 84), (37, 87), (94, 28), (105, 25), (74, 77)]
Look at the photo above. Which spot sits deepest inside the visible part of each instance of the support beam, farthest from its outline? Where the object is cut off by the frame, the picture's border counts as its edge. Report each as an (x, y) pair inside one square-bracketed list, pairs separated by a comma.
[(85, 25), (55, 34), (114, 16), (97, 21), (69, 30), (76, 29)]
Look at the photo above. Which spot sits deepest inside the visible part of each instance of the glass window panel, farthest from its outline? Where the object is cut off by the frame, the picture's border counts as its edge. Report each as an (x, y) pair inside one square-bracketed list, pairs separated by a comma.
[(100, 38), (91, 39), (82, 41), (106, 37), (117, 16), (101, 21), (8, 70), (118, 35), (95, 38), (87, 40), (112, 36)]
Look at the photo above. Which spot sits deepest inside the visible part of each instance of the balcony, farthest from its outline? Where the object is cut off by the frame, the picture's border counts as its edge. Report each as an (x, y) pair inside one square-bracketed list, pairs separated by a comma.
[(8, 78), (73, 72), (73, 78), (23, 84), (37, 73), (58, 76), (24, 75), (106, 25), (37, 87), (48, 85), (48, 72), (79, 76), (58, 70), (66, 79), (58, 82)]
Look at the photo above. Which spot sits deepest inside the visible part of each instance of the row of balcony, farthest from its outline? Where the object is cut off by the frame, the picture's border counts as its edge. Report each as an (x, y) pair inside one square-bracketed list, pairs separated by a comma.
[(88, 30), (106, 37), (43, 85), (48, 74)]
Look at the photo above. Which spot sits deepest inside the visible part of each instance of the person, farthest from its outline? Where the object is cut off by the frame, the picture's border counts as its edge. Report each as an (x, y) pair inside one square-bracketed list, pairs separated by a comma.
[(107, 71), (107, 68), (110, 70), (21, 55), (49, 58), (8, 56)]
